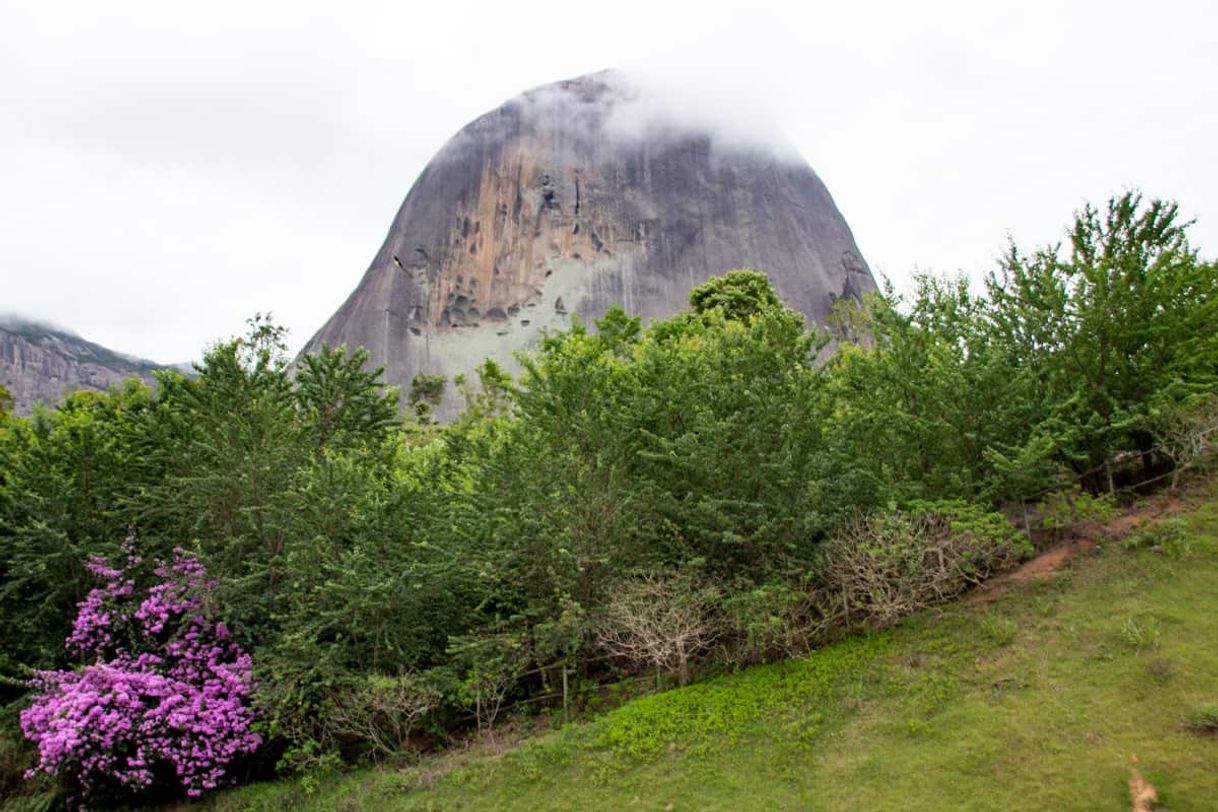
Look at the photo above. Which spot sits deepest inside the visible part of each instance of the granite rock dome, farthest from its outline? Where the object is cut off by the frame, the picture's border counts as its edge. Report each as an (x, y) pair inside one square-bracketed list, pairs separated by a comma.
[(574, 197)]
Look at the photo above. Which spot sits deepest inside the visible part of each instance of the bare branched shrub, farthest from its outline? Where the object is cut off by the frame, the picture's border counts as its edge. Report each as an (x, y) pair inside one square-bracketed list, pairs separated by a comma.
[(882, 567), (1188, 433), (661, 621), (382, 712)]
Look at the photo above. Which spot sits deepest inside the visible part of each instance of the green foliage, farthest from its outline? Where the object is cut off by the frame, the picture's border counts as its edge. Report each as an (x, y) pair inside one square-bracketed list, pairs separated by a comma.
[(618, 461), (764, 622), (367, 562), (492, 397), (67, 474), (1066, 362), (987, 532), (943, 717), (1203, 718), (381, 713), (881, 567), (1168, 536), (491, 663), (340, 400), (1186, 429), (928, 406), (1139, 632), (1068, 510), (738, 295), (426, 393), (1129, 315)]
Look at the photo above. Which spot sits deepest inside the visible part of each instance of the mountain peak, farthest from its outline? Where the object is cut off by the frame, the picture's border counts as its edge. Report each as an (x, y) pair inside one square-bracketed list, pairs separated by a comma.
[(576, 196)]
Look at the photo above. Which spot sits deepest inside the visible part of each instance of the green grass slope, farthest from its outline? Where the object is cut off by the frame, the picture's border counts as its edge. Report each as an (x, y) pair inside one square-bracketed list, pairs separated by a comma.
[(1036, 701)]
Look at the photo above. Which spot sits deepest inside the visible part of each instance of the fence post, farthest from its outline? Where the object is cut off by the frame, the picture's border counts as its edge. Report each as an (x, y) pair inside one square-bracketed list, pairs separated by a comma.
[(565, 713)]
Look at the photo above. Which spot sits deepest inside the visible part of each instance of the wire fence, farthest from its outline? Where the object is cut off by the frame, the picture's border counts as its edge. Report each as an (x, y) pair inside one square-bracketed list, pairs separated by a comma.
[(567, 694)]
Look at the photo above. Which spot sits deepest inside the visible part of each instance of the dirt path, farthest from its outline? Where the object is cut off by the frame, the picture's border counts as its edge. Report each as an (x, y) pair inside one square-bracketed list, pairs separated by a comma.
[(1142, 793), (1039, 568), (1050, 561)]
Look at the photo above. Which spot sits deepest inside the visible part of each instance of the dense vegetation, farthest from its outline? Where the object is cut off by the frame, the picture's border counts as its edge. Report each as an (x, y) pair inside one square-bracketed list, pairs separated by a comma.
[(1049, 697), (643, 501)]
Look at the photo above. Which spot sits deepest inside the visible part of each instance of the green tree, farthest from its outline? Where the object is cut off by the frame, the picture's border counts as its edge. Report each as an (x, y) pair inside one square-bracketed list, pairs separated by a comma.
[(1128, 317), (426, 393), (68, 475), (924, 398), (738, 295), (343, 403)]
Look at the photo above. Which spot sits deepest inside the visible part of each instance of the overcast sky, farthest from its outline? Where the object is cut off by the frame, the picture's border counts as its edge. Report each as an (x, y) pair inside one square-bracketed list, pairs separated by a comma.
[(168, 169)]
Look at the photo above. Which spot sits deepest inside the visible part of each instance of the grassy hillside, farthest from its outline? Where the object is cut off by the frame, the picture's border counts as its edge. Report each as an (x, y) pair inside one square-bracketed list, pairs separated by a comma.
[(1037, 700)]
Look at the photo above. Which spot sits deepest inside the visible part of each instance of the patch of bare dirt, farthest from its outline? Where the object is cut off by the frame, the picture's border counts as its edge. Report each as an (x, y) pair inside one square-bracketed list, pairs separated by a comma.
[(1050, 561), (1142, 793), (1121, 526), (1039, 568)]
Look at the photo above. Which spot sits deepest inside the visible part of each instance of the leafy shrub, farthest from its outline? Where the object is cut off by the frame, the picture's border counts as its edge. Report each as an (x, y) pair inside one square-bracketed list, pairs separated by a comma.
[(1187, 432), (165, 694), (1203, 718), (764, 623), (1067, 510), (492, 663), (880, 568), (319, 717), (738, 295)]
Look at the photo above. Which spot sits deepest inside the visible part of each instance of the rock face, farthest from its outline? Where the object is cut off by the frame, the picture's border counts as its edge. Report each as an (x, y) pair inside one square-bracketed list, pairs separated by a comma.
[(41, 364), (575, 197)]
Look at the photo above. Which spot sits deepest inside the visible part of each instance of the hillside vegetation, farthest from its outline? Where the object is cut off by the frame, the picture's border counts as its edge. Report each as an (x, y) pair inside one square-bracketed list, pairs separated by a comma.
[(264, 569), (1041, 699)]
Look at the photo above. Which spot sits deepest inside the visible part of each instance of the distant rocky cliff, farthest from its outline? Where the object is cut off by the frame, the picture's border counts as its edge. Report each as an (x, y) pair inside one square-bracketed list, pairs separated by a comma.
[(575, 197), (41, 364)]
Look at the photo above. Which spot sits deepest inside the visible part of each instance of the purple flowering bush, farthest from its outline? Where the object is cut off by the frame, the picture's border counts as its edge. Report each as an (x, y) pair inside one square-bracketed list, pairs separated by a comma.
[(165, 691)]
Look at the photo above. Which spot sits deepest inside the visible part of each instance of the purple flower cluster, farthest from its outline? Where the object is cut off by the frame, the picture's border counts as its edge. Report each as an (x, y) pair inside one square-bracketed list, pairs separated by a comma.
[(167, 686)]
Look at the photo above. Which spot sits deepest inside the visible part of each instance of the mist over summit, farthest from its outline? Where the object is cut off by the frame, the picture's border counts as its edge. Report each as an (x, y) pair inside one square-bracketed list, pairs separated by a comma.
[(577, 196)]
